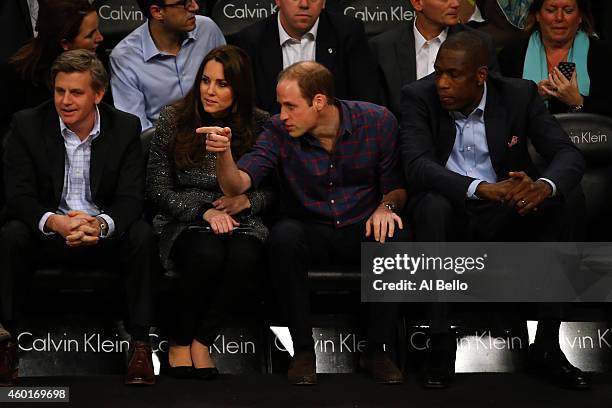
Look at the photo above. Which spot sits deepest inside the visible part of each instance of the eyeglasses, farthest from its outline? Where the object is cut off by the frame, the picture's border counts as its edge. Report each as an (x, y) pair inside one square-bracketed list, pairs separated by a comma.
[(183, 3)]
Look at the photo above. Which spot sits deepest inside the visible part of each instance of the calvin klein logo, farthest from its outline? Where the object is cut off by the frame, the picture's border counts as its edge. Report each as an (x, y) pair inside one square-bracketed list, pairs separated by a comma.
[(243, 11), (106, 12), (394, 13), (224, 346), (588, 137), (340, 343), (419, 340)]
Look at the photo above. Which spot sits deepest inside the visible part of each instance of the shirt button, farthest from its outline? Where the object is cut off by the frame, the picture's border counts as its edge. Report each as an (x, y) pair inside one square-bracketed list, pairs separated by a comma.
[(332, 201), (331, 166)]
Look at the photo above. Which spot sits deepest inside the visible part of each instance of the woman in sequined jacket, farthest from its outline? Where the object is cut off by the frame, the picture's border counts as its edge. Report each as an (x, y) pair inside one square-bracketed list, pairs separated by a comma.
[(214, 242)]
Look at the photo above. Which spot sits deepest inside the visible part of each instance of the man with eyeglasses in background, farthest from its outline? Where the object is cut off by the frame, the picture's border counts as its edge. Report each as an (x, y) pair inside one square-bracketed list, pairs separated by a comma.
[(156, 64)]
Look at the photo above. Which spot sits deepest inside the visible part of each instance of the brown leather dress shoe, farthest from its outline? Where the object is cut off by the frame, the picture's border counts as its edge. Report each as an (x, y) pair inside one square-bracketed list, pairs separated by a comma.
[(303, 369), (8, 363), (381, 368), (140, 366)]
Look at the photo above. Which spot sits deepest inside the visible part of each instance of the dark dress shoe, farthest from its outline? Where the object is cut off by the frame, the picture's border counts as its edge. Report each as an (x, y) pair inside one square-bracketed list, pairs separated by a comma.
[(438, 369), (303, 369), (8, 363), (207, 373), (553, 365), (381, 368), (181, 372), (439, 365), (140, 366)]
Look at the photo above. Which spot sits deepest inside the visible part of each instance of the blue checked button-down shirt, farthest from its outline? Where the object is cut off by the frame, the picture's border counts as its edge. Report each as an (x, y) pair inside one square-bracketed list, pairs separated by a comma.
[(144, 79), (76, 193), (338, 188), (470, 155)]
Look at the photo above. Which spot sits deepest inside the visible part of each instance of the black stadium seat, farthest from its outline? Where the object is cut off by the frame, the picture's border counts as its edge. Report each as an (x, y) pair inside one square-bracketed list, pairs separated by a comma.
[(593, 135), (232, 16), (379, 15), (118, 18)]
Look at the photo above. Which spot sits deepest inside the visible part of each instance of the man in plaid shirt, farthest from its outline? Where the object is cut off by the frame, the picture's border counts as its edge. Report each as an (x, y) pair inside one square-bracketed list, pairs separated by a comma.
[(341, 185)]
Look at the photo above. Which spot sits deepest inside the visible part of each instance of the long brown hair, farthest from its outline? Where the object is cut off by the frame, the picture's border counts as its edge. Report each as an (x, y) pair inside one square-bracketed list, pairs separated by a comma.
[(584, 8), (57, 20), (188, 147)]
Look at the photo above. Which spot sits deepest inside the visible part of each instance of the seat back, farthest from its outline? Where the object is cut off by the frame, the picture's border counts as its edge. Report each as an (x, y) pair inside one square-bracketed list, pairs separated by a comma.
[(379, 15), (593, 135), (232, 16), (118, 18)]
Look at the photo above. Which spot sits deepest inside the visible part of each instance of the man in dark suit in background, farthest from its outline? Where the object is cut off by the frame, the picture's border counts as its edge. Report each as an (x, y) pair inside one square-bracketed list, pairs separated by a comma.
[(74, 176), (407, 53), (301, 31), (464, 138), (16, 26)]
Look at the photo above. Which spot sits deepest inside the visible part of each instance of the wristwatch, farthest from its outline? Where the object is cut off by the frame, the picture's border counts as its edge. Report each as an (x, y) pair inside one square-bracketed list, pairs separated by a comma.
[(576, 108), (103, 226), (389, 205)]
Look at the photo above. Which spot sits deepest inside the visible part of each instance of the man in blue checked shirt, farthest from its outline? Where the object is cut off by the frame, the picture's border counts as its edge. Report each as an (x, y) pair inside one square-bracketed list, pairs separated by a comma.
[(341, 185), (74, 176)]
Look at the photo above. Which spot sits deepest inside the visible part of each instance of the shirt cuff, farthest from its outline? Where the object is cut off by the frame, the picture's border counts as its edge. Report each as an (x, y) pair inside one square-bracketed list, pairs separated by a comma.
[(43, 221), (552, 185), (111, 225), (471, 191)]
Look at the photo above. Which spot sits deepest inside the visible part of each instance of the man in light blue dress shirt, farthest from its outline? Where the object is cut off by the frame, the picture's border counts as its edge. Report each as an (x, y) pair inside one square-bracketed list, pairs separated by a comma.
[(156, 64), (464, 141)]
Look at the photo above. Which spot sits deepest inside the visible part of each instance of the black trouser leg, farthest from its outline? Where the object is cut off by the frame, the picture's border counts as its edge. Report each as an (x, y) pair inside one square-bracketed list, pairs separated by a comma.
[(288, 256), (381, 316), (434, 219), (235, 286), (16, 258), (199, 257), (140, 266)]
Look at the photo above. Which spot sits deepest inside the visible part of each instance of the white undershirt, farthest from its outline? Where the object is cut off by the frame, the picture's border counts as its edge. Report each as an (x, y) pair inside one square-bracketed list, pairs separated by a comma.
[(33, 5), (426, 51), (294, 50)]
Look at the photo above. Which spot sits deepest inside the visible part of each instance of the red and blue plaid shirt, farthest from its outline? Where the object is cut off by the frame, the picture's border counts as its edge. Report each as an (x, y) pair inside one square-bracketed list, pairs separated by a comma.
[(341, 187)]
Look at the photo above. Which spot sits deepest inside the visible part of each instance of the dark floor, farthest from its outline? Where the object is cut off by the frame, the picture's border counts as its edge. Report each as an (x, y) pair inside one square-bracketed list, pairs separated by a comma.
[(333, 390)]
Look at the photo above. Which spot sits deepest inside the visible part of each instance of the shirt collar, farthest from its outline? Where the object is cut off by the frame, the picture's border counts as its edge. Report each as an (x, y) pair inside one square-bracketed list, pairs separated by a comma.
[(419, 40), (150, 50), (480, 109), (346, 122), (284, 37), (95, 131), (476, 16)]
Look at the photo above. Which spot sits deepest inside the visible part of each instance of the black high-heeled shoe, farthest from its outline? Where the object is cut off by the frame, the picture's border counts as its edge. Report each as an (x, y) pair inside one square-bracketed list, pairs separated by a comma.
[(207, 373), (181, 372)]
